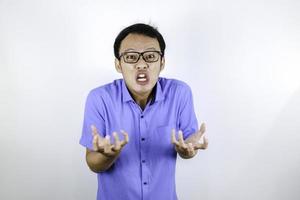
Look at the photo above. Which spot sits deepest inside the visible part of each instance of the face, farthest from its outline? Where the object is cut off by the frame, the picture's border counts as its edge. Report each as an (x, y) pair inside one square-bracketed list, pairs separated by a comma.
[(140, 77)]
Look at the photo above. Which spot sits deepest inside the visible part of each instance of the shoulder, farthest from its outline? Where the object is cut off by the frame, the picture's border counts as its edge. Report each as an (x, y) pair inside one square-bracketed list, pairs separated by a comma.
[(173, 85), (109, 90)]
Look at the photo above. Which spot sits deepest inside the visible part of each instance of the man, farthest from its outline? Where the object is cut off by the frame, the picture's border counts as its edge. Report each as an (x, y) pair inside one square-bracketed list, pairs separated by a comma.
[(148, 111)]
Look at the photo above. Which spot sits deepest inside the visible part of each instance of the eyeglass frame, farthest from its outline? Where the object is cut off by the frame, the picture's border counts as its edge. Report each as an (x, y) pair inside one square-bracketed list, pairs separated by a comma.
[(140, 54)]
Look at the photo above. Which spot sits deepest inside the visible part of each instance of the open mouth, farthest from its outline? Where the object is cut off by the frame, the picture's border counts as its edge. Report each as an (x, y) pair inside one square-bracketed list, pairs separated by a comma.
[(142, 78)]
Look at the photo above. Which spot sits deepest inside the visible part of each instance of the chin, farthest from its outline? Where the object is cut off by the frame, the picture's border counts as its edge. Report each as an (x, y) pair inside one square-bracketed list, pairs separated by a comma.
[(144, 89)]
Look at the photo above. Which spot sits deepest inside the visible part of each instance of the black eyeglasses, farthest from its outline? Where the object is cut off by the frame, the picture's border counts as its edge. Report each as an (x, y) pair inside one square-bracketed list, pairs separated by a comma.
[(133, 57)]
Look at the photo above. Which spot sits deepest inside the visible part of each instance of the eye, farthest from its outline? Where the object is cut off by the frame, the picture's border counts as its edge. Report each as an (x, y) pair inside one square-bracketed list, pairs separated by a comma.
[(130, 57), (151, 56)]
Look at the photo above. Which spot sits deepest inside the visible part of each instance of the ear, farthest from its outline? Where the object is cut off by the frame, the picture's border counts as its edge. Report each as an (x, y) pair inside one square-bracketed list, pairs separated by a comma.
[(118, 65), (162, 63)]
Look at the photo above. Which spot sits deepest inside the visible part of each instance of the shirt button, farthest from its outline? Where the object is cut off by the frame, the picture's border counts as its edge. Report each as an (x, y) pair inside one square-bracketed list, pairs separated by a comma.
[(143, 161), (142, 116), (143, 139), (145, 183)]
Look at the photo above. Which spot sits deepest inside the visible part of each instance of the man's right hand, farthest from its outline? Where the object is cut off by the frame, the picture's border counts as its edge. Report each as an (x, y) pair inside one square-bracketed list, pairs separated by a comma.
[(104, 146)]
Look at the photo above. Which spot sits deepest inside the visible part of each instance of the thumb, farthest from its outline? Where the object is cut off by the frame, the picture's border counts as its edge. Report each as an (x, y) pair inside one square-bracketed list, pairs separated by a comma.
[(202, 128)]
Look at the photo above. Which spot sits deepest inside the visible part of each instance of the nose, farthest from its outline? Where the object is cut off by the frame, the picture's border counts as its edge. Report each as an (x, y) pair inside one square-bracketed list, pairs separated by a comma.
[(141, 64)]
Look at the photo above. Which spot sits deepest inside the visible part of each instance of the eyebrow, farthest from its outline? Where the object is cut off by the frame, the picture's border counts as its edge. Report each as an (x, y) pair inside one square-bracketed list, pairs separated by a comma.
[(151, 48), (131, 49)]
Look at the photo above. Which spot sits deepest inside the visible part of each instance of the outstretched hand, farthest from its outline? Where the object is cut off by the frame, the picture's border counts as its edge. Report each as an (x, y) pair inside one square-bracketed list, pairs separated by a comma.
[(103, 144), (188, 148)]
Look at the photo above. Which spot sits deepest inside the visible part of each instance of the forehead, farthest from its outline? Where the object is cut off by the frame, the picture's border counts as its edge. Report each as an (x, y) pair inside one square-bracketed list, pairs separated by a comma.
[(139, 43)]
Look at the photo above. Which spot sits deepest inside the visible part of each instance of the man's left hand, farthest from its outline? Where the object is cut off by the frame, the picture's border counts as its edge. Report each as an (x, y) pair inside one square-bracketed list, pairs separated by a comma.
[(188, 148)]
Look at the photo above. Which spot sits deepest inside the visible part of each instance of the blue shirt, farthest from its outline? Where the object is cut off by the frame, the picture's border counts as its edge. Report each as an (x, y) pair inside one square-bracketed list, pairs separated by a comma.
[(145, 168)]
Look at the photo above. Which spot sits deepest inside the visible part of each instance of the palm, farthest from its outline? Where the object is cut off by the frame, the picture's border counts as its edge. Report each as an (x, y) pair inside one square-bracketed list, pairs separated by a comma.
[(189, 146)]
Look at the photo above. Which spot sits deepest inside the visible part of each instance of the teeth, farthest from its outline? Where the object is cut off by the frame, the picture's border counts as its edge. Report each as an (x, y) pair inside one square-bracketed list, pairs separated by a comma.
[(142, 79), (141, 75)]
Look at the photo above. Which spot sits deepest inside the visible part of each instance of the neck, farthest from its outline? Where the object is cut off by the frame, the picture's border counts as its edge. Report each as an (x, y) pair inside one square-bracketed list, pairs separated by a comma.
[(143, 99)]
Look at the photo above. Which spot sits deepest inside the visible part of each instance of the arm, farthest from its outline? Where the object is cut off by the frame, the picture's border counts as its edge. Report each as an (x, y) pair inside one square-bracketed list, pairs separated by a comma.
[(188, 124), (98, 162)]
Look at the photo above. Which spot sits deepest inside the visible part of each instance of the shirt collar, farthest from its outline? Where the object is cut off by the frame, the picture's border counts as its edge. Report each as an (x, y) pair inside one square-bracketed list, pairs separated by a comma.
[(125, 93), (159, 96)]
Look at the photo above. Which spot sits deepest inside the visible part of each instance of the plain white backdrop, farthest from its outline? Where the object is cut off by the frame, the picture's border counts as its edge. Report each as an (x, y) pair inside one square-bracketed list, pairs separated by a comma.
[(241, 59)]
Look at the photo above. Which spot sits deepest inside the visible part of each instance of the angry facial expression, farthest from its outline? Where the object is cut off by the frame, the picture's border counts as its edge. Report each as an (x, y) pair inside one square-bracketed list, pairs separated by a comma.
[(140, 77)]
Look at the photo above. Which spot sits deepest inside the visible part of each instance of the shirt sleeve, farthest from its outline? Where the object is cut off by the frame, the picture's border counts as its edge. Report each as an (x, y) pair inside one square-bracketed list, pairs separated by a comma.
[(93, 115), (187, 118)]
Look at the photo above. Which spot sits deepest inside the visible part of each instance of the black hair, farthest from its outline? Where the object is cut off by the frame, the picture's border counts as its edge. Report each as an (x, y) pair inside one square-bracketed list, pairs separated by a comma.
[(142, 29)]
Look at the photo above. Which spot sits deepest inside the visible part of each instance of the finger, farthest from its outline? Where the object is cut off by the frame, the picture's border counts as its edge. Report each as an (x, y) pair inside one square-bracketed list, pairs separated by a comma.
[(173, 138), (203, 127), (203, 145), (94, 130), (205, 142), (107, 146), (107, 139), (101, 143), (201, 131), (95, 143), (181, 141), (191, 149), (126, 138), (116, 137), (198, 146), (117, 143)]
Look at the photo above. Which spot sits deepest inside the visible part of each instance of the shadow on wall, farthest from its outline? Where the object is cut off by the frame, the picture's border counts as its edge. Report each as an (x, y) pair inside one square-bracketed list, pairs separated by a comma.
[(274, 171)]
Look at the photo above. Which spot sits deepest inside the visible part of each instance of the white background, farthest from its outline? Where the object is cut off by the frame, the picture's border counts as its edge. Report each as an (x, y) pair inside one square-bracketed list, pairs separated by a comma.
[(241, 59)]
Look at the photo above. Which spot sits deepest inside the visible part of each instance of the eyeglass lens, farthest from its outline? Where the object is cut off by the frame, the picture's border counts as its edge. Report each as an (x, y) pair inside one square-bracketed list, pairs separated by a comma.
[(148, 56)]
